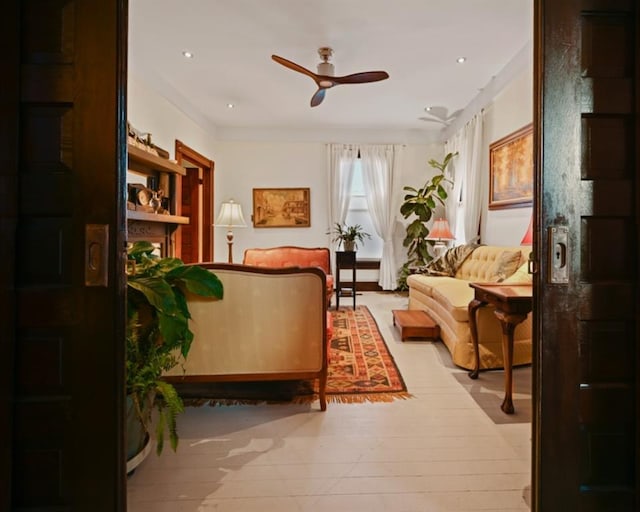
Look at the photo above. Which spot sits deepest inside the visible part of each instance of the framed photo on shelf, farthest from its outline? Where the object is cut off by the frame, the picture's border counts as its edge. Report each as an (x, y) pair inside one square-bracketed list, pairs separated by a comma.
[(281, 208), (511, 170)]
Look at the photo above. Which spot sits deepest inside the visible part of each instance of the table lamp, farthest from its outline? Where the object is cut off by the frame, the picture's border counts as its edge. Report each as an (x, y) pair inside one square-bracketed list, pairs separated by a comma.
[(527, 239), (230, 216), (440, 232)]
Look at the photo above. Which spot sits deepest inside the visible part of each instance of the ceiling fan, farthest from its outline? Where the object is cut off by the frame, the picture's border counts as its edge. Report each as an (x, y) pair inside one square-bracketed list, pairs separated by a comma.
[(325, 78)]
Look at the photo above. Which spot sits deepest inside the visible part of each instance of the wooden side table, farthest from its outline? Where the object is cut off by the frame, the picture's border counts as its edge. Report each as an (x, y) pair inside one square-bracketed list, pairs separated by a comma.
[(346, 260), (512, 305)]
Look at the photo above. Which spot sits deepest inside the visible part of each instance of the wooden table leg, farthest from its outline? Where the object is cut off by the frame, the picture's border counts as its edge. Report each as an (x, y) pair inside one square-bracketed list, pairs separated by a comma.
[(473, 326), (508, 322)]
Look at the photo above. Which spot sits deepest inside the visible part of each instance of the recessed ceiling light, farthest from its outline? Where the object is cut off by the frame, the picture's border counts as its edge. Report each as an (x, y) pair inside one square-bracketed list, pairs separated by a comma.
[(187, 54), (427, 109), (230, 105), (460, 60)]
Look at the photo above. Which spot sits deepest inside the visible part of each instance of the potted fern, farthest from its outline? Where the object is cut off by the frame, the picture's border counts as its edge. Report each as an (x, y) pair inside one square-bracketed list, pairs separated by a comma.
[(349, 236), (157, 338)]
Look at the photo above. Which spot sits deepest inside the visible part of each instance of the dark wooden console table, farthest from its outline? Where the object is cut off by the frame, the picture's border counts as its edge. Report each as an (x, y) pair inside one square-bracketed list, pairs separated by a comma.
[(346, 260), (512, 305)]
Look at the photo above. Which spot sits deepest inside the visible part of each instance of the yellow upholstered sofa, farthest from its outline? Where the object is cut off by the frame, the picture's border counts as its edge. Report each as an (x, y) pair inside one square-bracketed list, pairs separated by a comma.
[(272, 324), (292, 256), (446, 299)]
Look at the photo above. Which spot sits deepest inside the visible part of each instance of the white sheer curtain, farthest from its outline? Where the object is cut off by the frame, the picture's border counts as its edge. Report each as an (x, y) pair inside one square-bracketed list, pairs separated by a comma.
[(464, 206), (379, 164), (454, 208), (341, 158)]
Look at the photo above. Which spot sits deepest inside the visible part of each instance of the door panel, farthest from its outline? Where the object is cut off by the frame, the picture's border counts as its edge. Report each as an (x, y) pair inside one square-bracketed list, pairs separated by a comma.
[(67, 399), (585, 430), (199, 231)]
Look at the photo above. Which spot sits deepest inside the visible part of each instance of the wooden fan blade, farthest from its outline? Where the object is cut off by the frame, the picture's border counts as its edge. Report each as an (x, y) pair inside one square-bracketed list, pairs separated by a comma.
[(317, 98), (361, 78), (295, 67)]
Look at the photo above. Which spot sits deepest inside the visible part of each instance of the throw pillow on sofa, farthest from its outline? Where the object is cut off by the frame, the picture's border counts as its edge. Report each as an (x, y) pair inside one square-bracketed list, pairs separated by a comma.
[(520, 276), (504, 266)]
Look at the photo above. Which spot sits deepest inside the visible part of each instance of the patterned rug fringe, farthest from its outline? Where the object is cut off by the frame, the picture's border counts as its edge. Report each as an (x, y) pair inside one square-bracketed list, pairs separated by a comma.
[(353, 398)]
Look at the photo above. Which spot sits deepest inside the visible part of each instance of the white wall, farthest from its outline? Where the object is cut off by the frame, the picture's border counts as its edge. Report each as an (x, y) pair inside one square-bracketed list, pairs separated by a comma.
[(510, 110), (150, 112), (242, 166)]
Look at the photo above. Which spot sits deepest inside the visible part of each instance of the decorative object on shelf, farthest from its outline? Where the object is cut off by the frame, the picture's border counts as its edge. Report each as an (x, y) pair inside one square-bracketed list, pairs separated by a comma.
[(349, 236), (157, 337), (142, 140), (156, 201), (511, 170), (422, 203), (439, 233), (230, 216), (281, 208)]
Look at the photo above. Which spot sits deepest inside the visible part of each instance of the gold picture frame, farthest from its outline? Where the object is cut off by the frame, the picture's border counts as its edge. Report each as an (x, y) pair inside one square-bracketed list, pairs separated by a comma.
[(281, 208), (511, 170)]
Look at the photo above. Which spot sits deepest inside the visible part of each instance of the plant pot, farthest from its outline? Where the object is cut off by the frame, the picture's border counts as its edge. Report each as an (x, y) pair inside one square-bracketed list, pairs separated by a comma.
[(349, 245), (137, 438)]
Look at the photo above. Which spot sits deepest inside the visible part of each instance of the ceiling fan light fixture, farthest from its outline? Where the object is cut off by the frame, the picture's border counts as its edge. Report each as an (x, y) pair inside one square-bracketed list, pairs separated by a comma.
[(326, 69)]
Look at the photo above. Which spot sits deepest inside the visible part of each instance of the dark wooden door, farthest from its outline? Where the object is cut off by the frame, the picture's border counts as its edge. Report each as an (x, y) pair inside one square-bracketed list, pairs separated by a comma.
[(62, 325), (195, 240), (586, 375), (189, 233)]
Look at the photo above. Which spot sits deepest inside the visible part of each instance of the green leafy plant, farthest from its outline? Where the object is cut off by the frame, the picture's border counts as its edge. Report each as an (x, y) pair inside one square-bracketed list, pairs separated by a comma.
[(421, 203), (349, 236), (158, 334)]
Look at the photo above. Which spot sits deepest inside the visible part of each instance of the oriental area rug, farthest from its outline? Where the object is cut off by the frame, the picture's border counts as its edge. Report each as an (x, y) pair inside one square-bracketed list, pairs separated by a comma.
[(361, 369)]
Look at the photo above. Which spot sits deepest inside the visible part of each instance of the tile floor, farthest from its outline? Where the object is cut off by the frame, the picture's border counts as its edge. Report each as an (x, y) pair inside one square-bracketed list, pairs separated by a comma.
[(437, 452)]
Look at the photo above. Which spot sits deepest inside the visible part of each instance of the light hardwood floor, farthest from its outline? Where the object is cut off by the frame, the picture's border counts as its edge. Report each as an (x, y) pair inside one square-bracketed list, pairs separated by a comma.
[(437, 452)]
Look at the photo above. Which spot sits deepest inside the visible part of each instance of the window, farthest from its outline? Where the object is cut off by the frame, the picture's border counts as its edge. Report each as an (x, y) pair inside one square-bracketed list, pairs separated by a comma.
[(358, 213)]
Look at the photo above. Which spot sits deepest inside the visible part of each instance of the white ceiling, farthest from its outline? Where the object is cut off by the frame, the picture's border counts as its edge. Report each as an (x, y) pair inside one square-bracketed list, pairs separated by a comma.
[(416, 41)]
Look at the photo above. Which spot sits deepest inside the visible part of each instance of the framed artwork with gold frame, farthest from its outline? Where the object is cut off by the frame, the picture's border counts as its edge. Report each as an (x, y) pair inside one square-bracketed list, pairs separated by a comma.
[(511, 170), (281, 208)]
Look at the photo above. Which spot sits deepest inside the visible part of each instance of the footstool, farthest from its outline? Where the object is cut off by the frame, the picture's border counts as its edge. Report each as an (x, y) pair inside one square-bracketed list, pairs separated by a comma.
[(415, 323)]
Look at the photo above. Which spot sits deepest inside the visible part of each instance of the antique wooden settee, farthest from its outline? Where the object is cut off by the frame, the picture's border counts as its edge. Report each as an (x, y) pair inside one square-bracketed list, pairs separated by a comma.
[(272, 324)]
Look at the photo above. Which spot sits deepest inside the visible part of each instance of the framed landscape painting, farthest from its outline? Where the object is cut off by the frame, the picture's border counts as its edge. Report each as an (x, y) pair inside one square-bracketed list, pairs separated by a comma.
[(511, 170), (281, 208)]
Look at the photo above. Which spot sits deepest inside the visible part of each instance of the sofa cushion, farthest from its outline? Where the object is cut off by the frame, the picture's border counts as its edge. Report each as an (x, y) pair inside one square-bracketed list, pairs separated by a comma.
[(504, 266), (520, 276), (478, 266), (452, 294)]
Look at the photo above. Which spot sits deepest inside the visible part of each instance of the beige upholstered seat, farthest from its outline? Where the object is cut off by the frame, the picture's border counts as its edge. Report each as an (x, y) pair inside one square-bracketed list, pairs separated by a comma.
[(446, 300)]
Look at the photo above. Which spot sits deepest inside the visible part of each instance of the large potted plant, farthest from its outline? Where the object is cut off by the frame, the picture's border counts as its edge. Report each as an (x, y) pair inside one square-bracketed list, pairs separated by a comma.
[(421, 203), (158, 337), (349, 236)]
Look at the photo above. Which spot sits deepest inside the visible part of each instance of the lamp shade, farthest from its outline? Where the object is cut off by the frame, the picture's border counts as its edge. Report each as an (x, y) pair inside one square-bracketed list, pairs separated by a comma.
[(527, 239), (440, 230), (230, 216)]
